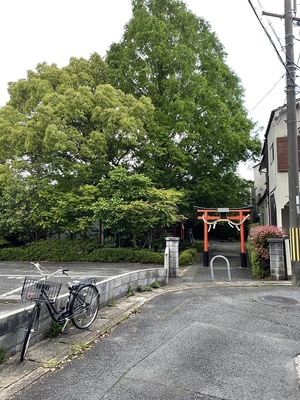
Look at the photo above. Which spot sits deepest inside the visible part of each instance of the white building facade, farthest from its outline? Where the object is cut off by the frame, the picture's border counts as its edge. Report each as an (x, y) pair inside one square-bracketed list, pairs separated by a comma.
[(271, 188)]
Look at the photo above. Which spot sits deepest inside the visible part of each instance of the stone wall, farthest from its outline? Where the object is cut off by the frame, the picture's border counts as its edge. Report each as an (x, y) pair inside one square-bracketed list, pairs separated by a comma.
[(13, 325), (278, 268)]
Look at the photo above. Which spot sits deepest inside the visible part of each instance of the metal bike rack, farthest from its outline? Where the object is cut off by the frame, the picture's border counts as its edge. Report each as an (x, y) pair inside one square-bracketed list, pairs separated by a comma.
[(212, 269)]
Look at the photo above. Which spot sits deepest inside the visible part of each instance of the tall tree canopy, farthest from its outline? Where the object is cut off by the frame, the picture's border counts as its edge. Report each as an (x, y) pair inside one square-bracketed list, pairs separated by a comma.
[(70, 125), (202, 131), (62, 131), (163, 107)]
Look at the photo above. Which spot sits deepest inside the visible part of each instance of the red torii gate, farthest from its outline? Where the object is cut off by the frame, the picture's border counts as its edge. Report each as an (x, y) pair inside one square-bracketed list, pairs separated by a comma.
[(235, 217)]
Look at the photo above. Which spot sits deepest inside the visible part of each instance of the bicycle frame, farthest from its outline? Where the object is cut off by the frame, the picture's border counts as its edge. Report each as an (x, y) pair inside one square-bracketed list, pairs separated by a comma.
[(64, 316), (59, 316), (81, 307)]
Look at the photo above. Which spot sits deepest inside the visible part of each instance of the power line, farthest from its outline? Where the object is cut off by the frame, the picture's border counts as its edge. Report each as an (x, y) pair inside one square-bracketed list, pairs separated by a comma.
[(271, 40), (266, 94), (272, 27), (267, 33)]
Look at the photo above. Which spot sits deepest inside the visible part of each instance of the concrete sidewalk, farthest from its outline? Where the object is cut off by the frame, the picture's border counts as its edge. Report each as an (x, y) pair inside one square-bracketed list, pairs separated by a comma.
[(51, 354)]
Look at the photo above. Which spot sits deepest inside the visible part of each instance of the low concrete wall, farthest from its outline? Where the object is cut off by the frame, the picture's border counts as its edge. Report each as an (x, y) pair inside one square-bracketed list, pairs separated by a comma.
[(13, 325)]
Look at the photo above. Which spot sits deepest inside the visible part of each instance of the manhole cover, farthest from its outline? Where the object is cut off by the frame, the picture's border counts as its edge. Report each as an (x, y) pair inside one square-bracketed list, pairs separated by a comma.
[(284, 301)]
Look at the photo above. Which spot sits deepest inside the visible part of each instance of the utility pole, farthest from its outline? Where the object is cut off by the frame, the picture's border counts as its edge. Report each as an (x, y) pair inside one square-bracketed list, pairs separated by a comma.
[(292, 134), (292, 139)]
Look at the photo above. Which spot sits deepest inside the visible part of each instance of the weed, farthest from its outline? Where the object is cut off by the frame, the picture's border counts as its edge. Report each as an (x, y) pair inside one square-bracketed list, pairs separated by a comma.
[(143, 288), (54, 330), (155, 285), (134, 328), (112, 303), (52, 364), (3, 355), (79, 349), (130, 292)]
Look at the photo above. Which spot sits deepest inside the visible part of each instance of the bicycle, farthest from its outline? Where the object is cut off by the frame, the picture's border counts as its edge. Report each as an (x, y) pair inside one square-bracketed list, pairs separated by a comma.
[(81, 307)]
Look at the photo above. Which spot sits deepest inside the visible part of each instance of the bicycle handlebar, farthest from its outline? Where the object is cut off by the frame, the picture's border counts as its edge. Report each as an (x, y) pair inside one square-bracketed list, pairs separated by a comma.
[(43, 271)]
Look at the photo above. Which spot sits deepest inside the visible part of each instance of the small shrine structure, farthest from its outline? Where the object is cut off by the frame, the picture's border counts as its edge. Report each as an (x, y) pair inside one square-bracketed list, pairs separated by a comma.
[(235, 217)]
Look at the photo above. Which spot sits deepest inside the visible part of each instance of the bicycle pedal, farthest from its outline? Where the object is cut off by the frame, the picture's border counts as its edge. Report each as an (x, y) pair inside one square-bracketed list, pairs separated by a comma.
[(65, 331)]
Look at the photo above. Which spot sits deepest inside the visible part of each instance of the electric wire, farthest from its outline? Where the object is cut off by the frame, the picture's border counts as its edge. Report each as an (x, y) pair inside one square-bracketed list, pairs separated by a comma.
[(272, 27), (267, 33), (271, 41), (262, 99)]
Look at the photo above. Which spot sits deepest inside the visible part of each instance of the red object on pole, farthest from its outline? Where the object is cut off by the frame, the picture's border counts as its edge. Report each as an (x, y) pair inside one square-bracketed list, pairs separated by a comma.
[(242, 233), (205, 233)]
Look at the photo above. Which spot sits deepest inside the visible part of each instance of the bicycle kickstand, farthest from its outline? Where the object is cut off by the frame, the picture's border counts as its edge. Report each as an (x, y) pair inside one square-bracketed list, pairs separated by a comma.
[(64, 329)]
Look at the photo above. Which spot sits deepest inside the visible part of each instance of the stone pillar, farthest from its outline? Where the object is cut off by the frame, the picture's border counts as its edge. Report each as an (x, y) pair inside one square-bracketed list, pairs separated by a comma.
[(277, 259), (287, 256), (173, 244)]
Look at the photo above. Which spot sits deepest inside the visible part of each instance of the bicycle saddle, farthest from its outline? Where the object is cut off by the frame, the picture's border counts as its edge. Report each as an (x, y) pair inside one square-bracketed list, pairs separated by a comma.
[(77, 284)]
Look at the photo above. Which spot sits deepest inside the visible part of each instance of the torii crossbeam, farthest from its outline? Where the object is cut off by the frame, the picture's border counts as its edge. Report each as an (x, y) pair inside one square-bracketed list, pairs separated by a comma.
[(235, 217)]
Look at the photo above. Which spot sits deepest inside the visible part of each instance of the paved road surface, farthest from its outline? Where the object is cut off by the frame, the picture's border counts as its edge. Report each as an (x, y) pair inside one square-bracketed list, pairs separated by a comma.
[(209, 344), (196, 340), (226, 342)]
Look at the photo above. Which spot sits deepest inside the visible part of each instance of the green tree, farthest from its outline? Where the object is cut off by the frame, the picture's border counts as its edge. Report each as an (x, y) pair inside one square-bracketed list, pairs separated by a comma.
[(61, 132), (23, 205), (131, 206), (201, 130), (70, 125)]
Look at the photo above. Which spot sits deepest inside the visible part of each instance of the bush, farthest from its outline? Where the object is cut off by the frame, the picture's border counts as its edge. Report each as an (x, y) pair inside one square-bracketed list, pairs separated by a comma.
[(78, 250), (126, 255), (188, 257), (259, 269), (258, 238), (4, 242), (199, 246), (188, 245), (13, 254), (258, 248), (51, 250)]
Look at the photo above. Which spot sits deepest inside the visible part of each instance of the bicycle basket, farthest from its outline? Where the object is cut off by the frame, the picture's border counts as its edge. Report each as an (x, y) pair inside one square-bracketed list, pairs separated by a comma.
[(42, 291)]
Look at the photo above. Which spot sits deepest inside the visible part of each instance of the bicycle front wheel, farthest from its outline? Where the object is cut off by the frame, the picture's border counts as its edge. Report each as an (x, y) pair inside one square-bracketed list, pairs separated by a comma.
[(29, 331), (85, 306)]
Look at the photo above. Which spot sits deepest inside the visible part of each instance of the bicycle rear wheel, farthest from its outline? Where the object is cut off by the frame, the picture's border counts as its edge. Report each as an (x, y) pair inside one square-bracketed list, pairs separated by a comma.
[(85, 306), (29, 331)]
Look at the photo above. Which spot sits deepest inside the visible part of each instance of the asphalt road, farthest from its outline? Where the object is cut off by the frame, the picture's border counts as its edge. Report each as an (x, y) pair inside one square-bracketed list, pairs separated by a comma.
[(213, 343)]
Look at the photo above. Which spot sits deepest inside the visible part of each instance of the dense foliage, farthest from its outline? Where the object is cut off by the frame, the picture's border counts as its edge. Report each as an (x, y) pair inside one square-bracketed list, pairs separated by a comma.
[(258, 248), (201, 131), (131, 142), (188, 257), (258, 238), (65, 250)]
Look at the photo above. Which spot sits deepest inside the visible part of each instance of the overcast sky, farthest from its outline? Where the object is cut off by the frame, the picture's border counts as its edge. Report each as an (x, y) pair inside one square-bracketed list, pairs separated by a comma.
[(35, 31)]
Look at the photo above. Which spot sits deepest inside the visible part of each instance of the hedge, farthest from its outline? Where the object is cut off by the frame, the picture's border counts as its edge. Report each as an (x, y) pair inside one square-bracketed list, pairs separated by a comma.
[(258, 248), (66, 250)]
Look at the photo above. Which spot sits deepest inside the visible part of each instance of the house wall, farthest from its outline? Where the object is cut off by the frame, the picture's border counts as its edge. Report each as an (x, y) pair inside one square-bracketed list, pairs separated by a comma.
[(276, 181), (261, 210)]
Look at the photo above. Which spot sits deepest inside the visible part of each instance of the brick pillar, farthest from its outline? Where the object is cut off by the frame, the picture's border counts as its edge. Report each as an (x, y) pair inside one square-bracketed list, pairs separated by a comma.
[(277, 259), (173, 244)]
